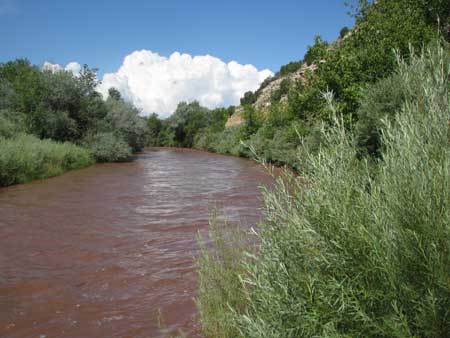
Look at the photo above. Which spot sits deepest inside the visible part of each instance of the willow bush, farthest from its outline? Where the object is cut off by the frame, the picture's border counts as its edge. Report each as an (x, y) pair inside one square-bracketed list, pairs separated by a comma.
[(24, 158), (351, 250)]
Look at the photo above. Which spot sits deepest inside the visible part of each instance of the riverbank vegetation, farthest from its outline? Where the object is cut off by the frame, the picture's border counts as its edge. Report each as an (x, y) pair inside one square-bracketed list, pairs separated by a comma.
[(25, 157), (54, 121), (360, 246)]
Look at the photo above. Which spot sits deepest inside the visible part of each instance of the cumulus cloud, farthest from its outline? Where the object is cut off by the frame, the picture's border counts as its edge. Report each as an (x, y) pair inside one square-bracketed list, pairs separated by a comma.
[(73, 67), (157, 84)]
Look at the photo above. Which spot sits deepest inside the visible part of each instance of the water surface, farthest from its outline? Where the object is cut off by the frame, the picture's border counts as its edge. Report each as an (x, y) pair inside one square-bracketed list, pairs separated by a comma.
[(99, 252)]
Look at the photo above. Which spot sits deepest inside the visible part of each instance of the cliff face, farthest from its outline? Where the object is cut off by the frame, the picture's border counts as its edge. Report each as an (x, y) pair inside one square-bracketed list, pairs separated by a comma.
[(264, 100), (235, 119)]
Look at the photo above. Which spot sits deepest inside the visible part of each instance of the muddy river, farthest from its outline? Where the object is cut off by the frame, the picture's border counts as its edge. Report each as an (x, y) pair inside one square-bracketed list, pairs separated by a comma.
[(105, 251)]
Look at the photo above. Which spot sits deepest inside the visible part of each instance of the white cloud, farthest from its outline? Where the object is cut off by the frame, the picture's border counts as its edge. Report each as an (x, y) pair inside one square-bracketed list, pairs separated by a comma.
[(157, 84), (73, 67)]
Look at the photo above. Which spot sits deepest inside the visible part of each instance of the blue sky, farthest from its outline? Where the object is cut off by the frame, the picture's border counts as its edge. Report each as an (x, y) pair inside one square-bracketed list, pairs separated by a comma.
[(155, 52), (100, 33)]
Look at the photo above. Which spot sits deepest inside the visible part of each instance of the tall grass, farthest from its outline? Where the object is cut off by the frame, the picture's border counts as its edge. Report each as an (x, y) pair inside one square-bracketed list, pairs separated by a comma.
[(25, 158), (354, 252)]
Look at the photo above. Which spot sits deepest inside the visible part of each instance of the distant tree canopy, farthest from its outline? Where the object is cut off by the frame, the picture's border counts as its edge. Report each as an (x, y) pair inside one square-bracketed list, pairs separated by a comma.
[(186, 123)]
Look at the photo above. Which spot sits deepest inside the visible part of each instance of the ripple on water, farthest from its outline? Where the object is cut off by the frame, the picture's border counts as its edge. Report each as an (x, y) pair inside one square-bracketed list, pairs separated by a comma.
[(100, 251)]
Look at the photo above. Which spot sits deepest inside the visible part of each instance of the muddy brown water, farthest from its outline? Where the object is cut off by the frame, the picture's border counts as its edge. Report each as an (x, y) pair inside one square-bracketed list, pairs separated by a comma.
[(100, 252)]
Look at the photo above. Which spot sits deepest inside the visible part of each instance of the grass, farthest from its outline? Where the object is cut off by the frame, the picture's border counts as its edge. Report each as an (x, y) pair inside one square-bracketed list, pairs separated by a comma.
[(25, 158), (359, 250)]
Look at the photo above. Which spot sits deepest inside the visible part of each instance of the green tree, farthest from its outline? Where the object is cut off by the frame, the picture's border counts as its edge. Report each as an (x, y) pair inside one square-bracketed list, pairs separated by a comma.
[(155, 126), (114, 93)]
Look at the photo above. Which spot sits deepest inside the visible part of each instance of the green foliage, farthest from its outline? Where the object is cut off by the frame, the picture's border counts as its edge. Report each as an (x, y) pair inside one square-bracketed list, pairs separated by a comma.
[(63, 107), (348, 251), (219, 280), (291, 67), (251, 123), (281, 91), (108, 147), (114, 94), (154, 126), (379, 101), (317, 52), (24, 158), (344, 31), (123, 118), (248, 98), (227, 142), (11, 123), (190, 126), (187, 120)]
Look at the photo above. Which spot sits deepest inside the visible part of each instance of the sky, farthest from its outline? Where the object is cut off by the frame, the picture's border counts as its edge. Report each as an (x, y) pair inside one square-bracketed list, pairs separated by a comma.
[(160, 52)]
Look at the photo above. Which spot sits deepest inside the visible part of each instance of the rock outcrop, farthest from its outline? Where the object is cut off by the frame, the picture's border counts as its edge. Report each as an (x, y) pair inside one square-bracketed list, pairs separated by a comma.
[(264, 100)]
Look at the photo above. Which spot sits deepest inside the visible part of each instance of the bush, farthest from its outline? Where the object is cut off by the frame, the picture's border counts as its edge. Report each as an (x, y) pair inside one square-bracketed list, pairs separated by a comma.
[(11, 123), (219, 272), (357, 253), (108, 147), (344, 31), (25, 158), (123, 118)]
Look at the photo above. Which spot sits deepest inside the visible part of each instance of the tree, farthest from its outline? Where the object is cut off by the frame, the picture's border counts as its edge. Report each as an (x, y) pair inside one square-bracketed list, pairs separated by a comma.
[(154, 125), (344, 31), (316, 52), (114, 93), (248, 98)]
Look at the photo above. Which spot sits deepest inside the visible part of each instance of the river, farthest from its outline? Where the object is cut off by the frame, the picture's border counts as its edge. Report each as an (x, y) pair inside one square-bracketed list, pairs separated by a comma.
[(100, 252)]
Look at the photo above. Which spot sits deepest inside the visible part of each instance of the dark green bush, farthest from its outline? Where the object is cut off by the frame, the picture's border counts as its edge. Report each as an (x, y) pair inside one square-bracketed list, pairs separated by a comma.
[(108, 147), (11, 123)]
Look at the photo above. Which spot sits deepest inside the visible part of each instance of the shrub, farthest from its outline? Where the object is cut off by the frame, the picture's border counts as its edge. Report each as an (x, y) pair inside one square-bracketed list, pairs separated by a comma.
[(108, 147), (344, 31), (357, 253), (123, 118), (219, 279), (25, 158), (248, 98), (11, 123)]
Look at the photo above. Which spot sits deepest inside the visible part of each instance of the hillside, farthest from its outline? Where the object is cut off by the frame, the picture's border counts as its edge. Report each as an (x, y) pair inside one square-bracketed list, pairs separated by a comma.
[(272, 91)]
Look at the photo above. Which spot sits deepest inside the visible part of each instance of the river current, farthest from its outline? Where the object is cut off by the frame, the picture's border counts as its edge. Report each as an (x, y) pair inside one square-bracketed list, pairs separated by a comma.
[(105, 251)]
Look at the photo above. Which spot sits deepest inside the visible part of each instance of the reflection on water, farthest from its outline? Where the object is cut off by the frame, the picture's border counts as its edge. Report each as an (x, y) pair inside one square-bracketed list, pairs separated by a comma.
[(97, 252)]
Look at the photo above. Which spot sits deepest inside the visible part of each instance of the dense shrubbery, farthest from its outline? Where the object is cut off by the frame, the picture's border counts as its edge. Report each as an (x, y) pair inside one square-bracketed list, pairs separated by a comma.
[(25, 157), (66, 108), (350, 250), (107, 147)]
